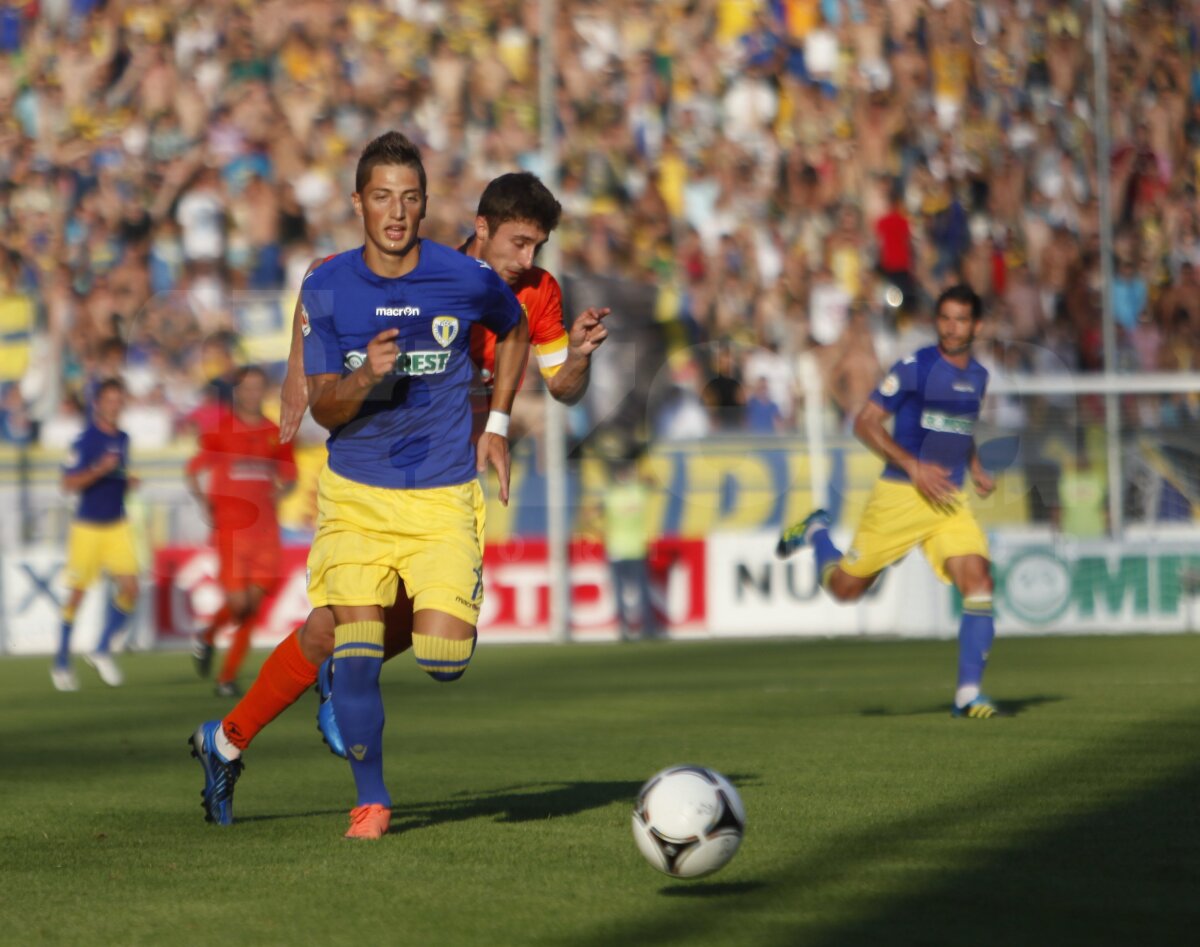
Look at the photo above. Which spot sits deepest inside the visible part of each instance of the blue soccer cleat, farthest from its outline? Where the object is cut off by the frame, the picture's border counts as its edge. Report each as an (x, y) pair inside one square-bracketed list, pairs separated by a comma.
[(326, 722), (978, 709), (220, 774), (797, 535)]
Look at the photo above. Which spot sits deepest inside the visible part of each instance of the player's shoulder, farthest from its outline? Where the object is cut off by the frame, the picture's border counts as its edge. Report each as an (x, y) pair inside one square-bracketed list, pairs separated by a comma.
[(321, 272), (85, 437), (978, 370), (540, 295), (535, 280), (444, 259)]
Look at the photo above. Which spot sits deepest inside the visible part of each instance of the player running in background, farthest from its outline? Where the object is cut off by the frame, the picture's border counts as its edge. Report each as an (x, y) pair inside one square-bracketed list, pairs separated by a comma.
[(515, 217), (247, 471), (100, 540), (935, 397), (386, 350)]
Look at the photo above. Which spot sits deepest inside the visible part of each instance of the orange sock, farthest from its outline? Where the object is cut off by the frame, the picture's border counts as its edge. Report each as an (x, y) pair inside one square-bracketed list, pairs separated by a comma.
[(237, 651), (284, 676), (221, 618)]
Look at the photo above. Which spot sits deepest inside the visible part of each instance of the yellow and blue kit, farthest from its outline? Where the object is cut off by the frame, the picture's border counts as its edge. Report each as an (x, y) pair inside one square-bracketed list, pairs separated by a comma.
[(100, 540), (935, 406), (413, 433)]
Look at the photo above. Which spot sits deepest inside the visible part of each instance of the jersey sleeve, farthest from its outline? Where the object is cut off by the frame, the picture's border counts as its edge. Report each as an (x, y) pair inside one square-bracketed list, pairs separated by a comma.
[(501, 311), (547, 334), (322, 351), (897, 385), (79, 456)]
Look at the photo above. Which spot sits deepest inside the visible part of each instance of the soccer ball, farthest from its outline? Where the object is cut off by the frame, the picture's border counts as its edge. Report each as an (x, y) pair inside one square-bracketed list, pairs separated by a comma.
[(688, 821)]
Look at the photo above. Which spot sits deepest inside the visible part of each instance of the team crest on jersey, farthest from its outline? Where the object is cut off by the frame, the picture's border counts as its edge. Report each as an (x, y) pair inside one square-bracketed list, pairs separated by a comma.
[(890, 385), (445, 329), (305, 327)]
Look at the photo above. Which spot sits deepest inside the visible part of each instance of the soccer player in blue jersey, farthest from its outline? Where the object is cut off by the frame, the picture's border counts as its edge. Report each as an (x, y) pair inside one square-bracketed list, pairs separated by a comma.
[(934, 396), (100, 541), (387, 353)]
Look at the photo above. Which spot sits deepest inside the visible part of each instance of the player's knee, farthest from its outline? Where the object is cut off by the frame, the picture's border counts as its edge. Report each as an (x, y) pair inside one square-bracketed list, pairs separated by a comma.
[(126, 595), (316, 635), (846, 588), (443, 659)]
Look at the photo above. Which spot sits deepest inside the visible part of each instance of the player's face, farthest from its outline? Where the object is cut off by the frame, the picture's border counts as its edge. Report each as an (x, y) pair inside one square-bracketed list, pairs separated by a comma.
[(511, 249), (391, 206), (109, 405), (248, 396), (955, 327)]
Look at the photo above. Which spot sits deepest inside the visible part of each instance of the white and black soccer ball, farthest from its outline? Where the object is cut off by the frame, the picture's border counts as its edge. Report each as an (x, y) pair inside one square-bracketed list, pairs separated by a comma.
[(688, 821)]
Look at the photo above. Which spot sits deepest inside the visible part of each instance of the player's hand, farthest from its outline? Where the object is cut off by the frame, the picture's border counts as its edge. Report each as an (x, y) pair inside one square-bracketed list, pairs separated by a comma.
[(588, 331), (984, 484), (293, 403), (381, 355), (108, 462), (933, 482), (493, 449)]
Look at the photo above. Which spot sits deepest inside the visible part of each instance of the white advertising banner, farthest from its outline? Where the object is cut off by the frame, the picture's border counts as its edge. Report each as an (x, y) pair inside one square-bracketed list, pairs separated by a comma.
[(751, 592), (31, 598), (1050, 585)]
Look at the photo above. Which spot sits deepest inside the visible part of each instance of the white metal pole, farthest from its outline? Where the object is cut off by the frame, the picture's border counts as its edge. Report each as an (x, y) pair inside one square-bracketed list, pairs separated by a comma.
[(1112, 401), (557, 526)]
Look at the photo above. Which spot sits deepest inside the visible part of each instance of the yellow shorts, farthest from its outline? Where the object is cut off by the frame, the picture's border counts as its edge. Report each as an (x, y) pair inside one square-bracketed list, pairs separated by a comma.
[(369, 538), (897, 518), (94, 549)]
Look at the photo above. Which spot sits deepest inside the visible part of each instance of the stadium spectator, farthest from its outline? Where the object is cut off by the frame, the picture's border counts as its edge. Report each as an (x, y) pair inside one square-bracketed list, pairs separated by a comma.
[(732, 150)]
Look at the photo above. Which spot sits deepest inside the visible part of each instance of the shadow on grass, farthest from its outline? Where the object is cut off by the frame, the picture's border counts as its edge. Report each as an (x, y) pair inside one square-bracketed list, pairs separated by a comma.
[(710, 889), (516, 804), (1007, 708), (1117, 865)]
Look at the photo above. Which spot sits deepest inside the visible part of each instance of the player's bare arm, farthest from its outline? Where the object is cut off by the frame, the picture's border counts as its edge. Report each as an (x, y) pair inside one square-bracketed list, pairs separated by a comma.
[(984, 483), (294, 395), (931, 480), (512, 351), (76, 482), (587, 333), (336, 399)]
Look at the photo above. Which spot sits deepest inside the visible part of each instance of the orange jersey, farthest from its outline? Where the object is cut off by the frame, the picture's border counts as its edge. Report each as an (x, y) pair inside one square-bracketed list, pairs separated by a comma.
[(245, 462), (541, 298)]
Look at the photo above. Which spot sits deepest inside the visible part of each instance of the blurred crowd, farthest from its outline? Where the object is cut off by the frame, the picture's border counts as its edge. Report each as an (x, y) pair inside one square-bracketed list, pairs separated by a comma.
[(797, 177)]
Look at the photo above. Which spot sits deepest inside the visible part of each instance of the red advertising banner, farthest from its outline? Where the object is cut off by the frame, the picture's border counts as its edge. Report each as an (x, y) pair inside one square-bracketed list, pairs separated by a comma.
[(516, 591)]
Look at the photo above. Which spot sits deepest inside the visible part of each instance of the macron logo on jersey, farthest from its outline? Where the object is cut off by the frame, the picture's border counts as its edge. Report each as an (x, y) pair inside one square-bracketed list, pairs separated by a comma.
[(397, 310)]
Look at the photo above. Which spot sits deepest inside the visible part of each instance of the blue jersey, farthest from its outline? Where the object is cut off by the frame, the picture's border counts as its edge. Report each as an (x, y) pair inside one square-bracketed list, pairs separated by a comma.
[(104, 500), (935, 406), (414, 427)]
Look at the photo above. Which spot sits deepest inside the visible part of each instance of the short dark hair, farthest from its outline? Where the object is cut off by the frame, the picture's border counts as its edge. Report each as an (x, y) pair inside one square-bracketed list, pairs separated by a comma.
[(106, 385), (246, 370), (961, 293), (519, 195), (389, 148)]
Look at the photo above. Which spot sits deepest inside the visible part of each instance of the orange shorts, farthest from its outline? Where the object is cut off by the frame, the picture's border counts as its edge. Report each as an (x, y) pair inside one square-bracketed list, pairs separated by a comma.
[(248, 557)]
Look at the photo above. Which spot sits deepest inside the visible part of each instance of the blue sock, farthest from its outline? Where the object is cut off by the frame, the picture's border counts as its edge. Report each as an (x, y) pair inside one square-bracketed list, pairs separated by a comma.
[(975, 633), (358, 706), (63, 658), (828, 555), (114, 620)]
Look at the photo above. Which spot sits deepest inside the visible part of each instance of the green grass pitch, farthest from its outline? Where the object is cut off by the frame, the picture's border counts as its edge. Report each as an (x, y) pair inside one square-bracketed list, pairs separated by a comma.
[(874, 818)]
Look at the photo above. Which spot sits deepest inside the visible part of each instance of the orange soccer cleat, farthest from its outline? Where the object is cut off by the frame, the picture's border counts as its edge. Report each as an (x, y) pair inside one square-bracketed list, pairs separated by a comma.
[(369, 821)]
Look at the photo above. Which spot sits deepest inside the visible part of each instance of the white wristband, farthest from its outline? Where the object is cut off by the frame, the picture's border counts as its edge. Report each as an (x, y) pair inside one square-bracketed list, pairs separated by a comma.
[(497, 423)]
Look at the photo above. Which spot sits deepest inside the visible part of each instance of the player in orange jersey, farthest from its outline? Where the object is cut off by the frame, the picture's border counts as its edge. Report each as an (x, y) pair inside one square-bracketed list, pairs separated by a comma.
[(515, 217), (248, 469)]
